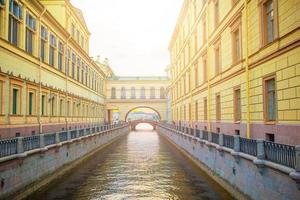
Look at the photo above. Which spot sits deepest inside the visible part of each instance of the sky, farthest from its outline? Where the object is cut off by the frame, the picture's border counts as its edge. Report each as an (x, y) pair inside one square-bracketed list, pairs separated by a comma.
[(133, 34)]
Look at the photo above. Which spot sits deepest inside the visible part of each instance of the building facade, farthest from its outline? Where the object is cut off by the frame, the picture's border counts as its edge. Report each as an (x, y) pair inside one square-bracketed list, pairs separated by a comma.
[(48, 82), (235, 68)]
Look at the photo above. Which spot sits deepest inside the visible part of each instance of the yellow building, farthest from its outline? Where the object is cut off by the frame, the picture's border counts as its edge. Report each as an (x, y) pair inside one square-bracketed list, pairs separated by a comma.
[(124, 94), (48, 82), (235, 67)]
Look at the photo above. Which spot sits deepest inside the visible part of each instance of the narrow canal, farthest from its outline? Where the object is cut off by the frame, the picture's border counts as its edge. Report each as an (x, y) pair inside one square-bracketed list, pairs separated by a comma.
[(141, 165)]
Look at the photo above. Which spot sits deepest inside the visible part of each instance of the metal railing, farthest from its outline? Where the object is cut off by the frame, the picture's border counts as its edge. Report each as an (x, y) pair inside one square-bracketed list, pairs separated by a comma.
[(8, 147), (20, 144), (215, 138), (63, 136), (280, 153), (228, 141), (31, 142), (50, 139), (248, 146), (204, 135)]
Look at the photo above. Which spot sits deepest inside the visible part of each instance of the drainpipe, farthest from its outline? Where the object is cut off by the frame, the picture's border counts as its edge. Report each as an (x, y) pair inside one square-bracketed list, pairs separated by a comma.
[(208, 78), (40, 74), (67, 79), (248, 134)]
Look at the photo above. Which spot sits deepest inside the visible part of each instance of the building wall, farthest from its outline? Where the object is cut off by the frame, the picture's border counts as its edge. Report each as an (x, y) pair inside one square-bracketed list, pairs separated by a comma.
[(72, 91), (192, 43)]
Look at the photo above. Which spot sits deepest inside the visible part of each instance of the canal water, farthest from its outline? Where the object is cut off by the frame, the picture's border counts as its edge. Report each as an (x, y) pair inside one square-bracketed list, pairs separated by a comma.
[(141, 165)]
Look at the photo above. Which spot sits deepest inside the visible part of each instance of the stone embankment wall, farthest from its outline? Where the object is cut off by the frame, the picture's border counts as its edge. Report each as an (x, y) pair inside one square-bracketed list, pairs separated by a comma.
[(243, 175), (24, 173)]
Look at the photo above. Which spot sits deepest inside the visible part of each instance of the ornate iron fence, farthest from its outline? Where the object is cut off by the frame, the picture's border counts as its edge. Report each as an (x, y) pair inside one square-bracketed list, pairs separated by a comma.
[(280, 153), (248, 146), (31, 142), (8, 147), (49, 139), (204, 135), (215, 138), (73, 134), (228, 141), (63, 136)]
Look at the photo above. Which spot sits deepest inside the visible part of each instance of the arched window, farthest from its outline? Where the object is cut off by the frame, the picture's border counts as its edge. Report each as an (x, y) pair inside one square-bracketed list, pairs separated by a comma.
[(113, 93), (162, 93), (152, 93), (123, 93), (143, 96), (133, 92)]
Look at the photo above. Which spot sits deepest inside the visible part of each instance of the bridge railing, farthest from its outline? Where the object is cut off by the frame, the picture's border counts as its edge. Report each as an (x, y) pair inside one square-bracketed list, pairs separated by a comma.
[(264, 150), (9, 147)]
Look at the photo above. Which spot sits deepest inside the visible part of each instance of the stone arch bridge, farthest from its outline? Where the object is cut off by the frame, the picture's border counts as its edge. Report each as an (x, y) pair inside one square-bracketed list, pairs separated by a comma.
[(124, 94)]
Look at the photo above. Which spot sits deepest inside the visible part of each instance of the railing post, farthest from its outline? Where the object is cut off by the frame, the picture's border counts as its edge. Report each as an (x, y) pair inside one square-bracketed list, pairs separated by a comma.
[(236, 141), (20, 148), (296, 175), (42, 141), (77, 133), (69, 135), (209, 136), (57, 140), (260, 149), (201, 134), (221, 139)]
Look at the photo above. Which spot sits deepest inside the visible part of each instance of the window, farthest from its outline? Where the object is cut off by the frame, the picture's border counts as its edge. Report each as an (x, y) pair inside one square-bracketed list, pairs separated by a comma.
[(152, 93), (74, 109), (268, 21), (44, 38), (30, 31), (15, 101), (196, 75), (205, 108), (82, 72), (60, 56), (204, 30), (123, 93), (162, 93), (113, 93), (196, 111), (270, 137), (68, 108), (73, 65), (52, 48), (43, 106), (53, 107), (236, 45), (270, 99), (237, 132), (217, 59), (30, 103), (73, 30), (67, 61), (132, 92), (237, 104), (15, 18), (61, 106), (218, 107), (1, 97), (78, 69), (216, 13), (143, 96), (204, 69)]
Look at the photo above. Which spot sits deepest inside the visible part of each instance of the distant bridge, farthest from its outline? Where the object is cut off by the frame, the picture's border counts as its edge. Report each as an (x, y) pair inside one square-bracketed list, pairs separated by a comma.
[(134, 123)]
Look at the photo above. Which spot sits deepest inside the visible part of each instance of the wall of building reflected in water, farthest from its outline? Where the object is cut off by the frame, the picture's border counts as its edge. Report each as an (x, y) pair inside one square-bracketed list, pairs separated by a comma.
[(141, 165)]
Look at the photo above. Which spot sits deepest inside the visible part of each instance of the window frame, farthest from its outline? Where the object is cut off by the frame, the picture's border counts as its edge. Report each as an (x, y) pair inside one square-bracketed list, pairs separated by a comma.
[(218, 105), (236, 26), (235, 104), (266, 102), (263, 22)]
